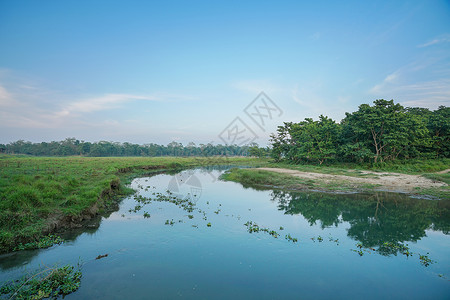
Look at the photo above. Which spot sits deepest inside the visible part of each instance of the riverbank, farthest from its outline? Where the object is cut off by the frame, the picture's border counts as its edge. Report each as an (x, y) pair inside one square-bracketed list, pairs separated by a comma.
[(355, 181), (40, 195)]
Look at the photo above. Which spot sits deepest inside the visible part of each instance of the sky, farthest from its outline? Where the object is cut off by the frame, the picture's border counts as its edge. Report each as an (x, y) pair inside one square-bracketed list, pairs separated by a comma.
[(193, 71)]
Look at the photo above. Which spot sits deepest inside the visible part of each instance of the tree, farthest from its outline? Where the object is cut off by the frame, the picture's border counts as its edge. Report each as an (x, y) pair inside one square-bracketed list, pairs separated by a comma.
[(439, 127), (385, 129), (281, 142), (308, 141), (317, 140)]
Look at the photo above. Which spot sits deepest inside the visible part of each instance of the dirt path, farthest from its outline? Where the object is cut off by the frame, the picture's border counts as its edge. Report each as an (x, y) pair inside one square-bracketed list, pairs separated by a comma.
[(443, 172), (395, 182)]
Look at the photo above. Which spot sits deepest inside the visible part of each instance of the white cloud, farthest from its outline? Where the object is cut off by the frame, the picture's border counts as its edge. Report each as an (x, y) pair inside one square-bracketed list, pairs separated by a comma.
[(424, 82), (442, 39), (390, 79), (104, 102), (430, 94), (5, 96)]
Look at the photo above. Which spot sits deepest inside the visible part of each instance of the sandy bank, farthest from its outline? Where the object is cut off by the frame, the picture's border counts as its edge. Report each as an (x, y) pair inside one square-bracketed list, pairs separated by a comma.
[(395, 182)]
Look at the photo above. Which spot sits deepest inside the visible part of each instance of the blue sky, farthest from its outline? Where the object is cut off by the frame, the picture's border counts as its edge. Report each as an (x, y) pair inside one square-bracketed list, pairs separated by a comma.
[(158, 71)]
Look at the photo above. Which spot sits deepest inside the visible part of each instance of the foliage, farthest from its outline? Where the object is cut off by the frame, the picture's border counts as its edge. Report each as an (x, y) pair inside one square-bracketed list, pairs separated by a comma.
[(46, 283), (72, 146), (256, 151), (315, 141), (44, 242), (374, 134)]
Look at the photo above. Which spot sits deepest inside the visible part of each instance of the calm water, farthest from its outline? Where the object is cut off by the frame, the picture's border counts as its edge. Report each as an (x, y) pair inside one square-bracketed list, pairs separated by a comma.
[(149, 259)]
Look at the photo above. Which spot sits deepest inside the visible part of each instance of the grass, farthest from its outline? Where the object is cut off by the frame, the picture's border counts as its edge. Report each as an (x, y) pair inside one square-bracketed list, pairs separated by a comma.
[(251, 177), (38, 193), (267, 179), (413, 167)]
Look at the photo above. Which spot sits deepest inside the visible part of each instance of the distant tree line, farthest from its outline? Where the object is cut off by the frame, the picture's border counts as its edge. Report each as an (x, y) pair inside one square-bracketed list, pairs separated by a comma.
[(382, 132), (72, 146)]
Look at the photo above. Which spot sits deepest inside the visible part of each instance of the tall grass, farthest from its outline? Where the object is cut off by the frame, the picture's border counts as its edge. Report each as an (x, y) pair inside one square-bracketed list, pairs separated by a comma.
[(37, 190)]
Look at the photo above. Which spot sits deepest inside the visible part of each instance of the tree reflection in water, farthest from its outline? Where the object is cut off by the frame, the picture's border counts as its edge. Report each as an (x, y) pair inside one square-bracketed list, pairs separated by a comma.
[(374, 218)]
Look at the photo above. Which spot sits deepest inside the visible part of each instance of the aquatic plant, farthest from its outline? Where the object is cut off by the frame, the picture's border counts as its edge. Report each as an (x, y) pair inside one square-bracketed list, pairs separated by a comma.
[(425, 260), (44, 242), (390, 248), (45, 283), (253, 227), (290, 238)]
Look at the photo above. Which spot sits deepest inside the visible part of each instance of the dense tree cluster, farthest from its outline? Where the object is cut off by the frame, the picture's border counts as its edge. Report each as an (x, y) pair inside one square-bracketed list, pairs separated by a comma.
[(382, 132), (72, 146)]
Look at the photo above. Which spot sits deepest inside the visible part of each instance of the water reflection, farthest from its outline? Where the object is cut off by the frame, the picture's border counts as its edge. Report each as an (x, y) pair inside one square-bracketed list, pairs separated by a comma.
[(19, 258), (374, 218)]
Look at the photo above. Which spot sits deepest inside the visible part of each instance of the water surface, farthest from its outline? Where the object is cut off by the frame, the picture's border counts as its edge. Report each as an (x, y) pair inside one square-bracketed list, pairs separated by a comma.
[(189, 259)]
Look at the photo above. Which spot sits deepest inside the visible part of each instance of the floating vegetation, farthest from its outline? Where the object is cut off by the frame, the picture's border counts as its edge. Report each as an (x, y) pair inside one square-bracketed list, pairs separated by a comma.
[(44, 283), (331, 239), (253, 227), (44, 242), (361, 250), (290, 238), (209, 224), (390, 248), (319, 239), (186, 204), (169, 222), (426, 261)]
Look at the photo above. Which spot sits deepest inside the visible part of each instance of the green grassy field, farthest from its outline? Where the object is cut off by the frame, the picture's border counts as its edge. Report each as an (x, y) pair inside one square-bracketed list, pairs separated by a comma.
[(36, 192)]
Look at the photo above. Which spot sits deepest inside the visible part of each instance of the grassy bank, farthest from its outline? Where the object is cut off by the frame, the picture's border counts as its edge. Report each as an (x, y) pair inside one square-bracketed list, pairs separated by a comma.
[(40, 194), (413, 167), (427, 168), (268, 179)]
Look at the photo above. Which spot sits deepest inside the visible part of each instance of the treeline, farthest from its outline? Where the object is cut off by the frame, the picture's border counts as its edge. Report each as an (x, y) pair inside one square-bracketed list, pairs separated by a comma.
[(382, 132), (72, 146)]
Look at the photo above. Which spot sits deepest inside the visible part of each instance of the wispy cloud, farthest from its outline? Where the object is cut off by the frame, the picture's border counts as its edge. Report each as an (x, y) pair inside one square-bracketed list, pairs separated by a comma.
[(24, 104), (104, 102), (388, 80), (5, 97), (438, 40), (403, 86)]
